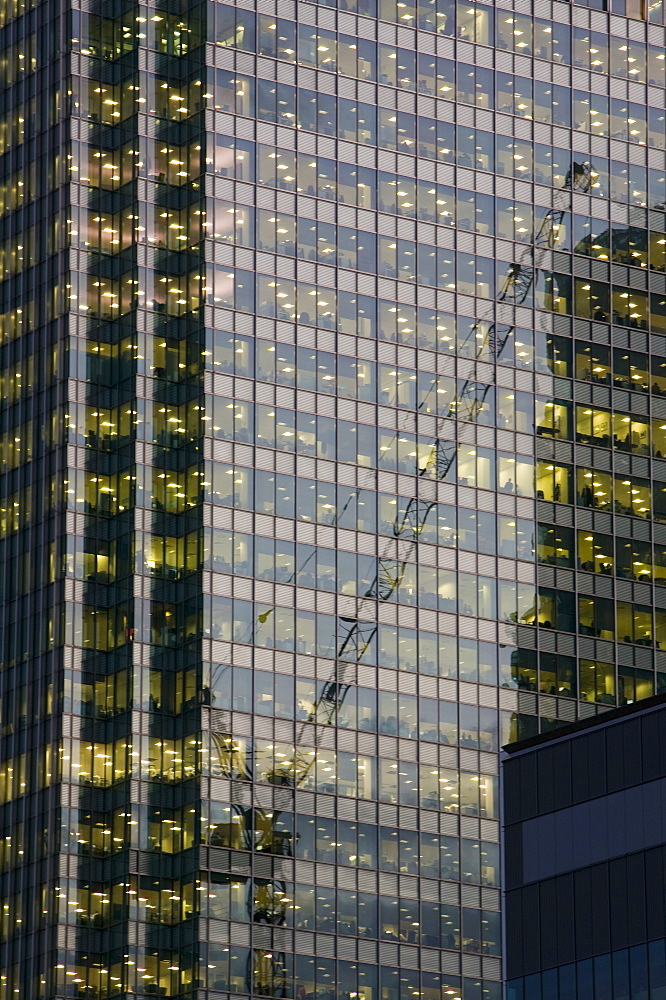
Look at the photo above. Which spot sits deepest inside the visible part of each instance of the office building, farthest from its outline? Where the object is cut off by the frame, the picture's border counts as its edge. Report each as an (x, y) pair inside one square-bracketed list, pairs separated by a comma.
[(584, 846), (334, 421)]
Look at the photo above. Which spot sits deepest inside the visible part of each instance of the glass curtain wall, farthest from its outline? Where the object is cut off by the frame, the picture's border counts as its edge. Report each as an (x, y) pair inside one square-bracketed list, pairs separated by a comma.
[(333, 355)]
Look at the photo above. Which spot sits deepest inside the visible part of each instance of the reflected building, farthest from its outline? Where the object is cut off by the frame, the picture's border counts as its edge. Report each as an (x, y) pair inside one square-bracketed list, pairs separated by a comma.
[(333, 364)]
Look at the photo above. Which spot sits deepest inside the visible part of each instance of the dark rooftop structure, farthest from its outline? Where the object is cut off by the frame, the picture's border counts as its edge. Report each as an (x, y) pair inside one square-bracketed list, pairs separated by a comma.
[(585, 859)]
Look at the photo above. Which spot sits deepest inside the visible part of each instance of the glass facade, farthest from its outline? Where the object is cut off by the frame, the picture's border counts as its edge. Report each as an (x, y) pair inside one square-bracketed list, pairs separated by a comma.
[(333, 457)]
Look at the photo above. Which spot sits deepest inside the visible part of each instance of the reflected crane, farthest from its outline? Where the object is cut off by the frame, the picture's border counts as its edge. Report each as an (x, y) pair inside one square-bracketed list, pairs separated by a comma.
[(358, 632)]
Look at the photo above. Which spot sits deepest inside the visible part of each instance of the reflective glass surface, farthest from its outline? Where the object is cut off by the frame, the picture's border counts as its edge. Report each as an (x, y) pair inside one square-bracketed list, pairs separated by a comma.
[(332, 368)]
